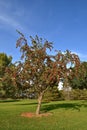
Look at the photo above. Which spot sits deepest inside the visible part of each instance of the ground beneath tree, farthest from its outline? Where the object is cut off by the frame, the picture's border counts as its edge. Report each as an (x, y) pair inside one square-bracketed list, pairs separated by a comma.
[(30, 114)]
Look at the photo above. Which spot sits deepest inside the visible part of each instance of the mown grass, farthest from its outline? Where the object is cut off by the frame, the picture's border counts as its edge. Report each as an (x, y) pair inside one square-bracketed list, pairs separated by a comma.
[(66, 115)]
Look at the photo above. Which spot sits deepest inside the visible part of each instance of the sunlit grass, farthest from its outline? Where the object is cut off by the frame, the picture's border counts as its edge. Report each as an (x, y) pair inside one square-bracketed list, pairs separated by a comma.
[(66, 115)]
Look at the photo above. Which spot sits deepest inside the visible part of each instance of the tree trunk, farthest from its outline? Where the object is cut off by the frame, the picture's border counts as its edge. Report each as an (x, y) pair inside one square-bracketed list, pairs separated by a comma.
[(39, 103)]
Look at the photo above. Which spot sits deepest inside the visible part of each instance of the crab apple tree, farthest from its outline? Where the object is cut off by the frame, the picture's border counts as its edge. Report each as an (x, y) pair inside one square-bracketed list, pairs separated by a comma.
[(39, 70)]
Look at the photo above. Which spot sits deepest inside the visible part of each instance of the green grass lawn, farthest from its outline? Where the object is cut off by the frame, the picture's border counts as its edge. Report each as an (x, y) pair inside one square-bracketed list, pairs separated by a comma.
[(66, 115)]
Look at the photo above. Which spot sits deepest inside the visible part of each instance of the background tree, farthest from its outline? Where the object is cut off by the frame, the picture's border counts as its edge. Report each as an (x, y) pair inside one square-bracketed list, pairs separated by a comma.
[(52, 94), (9, 86), (38, 70), (79, 81), (5, 61)]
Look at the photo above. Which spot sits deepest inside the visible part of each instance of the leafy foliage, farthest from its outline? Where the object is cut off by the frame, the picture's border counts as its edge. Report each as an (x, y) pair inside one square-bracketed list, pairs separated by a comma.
[(37, 69), (79, 81), (5, 61)]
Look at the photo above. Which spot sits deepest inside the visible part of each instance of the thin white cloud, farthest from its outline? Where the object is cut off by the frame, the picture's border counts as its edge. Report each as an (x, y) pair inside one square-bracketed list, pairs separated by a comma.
[(7, 17), (82, 56), (13, 16), (9, 21)]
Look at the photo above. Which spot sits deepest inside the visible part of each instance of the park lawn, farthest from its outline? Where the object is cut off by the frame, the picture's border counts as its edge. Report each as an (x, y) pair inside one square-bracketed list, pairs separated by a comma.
[(66, 115)]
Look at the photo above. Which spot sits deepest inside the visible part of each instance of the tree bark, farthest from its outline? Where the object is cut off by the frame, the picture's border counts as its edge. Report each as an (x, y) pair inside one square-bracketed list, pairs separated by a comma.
[(39, 103)]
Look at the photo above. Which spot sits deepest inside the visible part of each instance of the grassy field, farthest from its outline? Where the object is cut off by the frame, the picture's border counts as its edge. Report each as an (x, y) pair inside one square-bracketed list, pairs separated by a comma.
[(66, 115)]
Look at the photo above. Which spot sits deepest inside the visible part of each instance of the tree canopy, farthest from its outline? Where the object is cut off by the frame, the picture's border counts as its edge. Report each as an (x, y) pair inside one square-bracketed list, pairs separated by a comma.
[(39, 70), (79, 80), (4, 62)]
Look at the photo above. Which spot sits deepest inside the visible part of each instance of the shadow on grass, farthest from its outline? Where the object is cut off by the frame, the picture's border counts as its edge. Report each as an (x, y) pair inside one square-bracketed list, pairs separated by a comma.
[(25, 104), (31, 103), (73, 106), (9, 100), (46, 107)]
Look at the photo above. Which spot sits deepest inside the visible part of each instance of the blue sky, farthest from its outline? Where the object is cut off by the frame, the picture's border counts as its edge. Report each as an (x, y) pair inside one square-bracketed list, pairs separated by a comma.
[(63, 22)]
